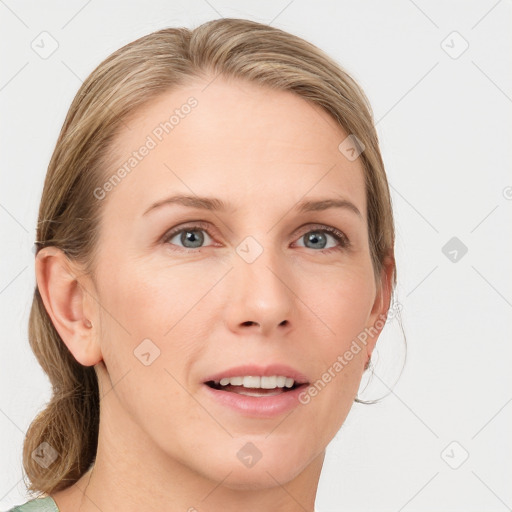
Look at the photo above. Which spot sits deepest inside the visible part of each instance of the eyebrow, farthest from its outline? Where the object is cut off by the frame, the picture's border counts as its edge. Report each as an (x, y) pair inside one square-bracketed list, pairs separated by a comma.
[(215, 204)]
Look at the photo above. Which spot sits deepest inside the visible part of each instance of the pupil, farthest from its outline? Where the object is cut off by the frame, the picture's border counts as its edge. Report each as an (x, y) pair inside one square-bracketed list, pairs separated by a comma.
[(316, 237), (189, 236)]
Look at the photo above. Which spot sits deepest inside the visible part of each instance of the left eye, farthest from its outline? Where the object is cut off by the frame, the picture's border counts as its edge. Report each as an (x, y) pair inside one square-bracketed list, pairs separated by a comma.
[(193, 237), (319, 237)]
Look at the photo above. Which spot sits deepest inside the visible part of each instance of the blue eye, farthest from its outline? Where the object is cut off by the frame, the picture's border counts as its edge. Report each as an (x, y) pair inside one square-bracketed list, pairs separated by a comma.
[(193, 237), (319, 236)]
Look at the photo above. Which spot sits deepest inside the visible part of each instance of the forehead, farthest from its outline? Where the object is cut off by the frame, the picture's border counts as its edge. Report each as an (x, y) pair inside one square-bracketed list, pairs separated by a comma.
[(235, 140)]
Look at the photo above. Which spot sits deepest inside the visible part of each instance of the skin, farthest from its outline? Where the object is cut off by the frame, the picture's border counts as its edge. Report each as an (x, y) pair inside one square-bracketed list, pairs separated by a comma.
[(163, 444)]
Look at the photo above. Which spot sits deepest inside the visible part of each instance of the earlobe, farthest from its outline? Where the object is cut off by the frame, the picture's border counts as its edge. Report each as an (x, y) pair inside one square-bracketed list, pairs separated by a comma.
[(67, 303)]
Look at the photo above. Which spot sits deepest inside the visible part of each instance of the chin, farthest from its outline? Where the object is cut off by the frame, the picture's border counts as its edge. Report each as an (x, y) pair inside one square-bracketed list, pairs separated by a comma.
[(276, 468)]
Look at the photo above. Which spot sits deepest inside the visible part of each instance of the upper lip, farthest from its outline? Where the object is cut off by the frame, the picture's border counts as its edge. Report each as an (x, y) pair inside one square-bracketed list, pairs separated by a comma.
[(263, 371)]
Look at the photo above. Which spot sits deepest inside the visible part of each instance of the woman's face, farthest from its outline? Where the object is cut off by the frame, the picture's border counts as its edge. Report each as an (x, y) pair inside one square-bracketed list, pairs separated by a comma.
[(257, 282)]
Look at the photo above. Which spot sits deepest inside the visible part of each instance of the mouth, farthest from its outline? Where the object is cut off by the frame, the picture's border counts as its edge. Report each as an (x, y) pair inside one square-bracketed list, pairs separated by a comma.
[(268, 385), (257, 391)]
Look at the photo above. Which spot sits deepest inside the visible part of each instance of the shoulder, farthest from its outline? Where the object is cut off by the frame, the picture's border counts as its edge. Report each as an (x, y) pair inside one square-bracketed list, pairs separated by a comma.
[(46, 504)]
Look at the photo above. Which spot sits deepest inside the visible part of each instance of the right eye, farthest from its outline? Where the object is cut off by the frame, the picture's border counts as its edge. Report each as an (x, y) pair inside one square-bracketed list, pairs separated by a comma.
[(190, 237)]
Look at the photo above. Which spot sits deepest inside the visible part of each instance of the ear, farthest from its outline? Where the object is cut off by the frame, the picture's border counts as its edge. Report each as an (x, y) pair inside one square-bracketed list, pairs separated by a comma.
[(68, 303), (380, 308)]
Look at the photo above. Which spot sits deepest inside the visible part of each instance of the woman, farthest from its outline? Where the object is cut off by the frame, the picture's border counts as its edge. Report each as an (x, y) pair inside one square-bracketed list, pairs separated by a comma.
[(214, 267)]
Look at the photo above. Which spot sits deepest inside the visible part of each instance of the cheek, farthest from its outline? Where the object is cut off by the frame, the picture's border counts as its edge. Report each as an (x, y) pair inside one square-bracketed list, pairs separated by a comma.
[(148, 342), (342, 303), (342, 299), (150, 315), (148, 299)]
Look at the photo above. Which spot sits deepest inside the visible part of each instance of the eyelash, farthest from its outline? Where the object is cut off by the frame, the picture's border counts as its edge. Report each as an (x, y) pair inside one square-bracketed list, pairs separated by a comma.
[(341, 238)]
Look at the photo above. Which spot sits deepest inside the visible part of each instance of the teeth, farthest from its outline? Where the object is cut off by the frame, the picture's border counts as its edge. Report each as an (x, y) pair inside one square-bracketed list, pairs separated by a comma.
[(258, 382), (281, 381)]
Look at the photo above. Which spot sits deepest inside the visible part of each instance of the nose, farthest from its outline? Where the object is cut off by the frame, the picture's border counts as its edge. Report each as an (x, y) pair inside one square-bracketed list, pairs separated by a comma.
[(261, 295)]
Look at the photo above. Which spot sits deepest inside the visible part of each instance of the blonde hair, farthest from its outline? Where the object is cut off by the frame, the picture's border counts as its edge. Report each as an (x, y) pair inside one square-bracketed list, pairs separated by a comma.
[(69, 213)]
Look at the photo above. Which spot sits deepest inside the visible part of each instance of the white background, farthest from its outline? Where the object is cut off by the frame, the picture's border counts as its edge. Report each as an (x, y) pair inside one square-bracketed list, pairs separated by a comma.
[(445, 133)]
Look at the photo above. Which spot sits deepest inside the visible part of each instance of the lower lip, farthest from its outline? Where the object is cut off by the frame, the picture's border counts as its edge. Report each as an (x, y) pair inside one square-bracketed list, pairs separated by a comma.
[(258, 406)]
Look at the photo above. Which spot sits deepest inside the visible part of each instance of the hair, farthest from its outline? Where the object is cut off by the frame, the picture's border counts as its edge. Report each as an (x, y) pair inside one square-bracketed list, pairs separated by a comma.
[(69, 213)]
